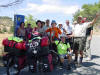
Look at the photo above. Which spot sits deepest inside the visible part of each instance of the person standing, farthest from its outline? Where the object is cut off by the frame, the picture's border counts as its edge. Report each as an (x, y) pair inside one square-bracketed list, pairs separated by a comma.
[(68, 30), (38, 28), (21, 31), (89, 34), (28, 30), (79, 34), (47, 26), (54, 33)]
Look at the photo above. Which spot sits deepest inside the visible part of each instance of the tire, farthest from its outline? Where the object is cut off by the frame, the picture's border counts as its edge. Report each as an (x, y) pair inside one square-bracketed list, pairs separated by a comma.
[(11, 70), (55, 58)]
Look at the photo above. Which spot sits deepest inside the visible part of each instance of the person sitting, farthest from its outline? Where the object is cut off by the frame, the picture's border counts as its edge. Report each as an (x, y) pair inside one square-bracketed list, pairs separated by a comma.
[(21, 31), (62, 49)]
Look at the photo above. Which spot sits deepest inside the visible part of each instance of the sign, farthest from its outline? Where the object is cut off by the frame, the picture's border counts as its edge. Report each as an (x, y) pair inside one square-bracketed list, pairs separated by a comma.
[(18, 19)]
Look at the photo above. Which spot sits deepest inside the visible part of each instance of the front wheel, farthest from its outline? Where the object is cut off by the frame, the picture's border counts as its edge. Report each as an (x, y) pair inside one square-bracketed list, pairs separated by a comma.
[(55, 58), (11, 70)]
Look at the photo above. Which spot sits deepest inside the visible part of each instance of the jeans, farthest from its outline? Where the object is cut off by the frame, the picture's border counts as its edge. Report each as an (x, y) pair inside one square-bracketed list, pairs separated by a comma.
[(87, 48)]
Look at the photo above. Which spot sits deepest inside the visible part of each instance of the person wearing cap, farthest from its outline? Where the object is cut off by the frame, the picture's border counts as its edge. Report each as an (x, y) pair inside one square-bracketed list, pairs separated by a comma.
[(54, 31), (79, 34), (38, 28), (64, 50)]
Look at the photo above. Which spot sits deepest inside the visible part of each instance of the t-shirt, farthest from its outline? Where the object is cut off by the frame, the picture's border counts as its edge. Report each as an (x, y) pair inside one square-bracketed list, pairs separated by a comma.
[(62, 47), (68, 29), (45, 28), (80, 29), (54, 32), (88, 31), (38, 30)]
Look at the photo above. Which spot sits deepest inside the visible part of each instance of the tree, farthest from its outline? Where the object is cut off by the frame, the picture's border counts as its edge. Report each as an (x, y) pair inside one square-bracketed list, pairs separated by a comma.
[(31, 20), (88, 10)]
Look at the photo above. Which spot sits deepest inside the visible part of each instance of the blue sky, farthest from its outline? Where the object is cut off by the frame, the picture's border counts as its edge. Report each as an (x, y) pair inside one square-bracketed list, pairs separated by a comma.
[(59, 10)]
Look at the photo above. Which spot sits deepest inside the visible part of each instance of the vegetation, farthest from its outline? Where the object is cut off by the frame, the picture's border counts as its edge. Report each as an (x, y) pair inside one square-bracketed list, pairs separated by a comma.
[(89, 11), (30, 19)]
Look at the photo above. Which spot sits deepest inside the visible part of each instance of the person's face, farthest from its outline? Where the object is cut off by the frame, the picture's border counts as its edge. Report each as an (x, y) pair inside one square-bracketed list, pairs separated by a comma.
[(67, 22), (60, 25), (47, 22), (39, 24), (63, 39), (79, 19), (22, 25), (53, 24), (29, 26)]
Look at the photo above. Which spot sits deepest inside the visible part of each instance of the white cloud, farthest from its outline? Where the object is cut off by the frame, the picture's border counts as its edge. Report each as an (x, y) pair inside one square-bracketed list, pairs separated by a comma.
[(52, 1), (48, 8)]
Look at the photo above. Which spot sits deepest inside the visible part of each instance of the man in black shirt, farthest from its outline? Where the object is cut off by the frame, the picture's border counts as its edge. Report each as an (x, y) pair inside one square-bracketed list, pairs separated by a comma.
[(89, 33)]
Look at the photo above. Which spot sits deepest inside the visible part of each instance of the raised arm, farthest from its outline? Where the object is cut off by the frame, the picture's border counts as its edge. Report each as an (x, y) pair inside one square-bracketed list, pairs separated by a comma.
[(94, 20)]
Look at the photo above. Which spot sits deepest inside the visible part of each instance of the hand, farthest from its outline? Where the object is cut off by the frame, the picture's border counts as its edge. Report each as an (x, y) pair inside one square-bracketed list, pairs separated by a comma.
[(69, 36), (64, 30), (90, 38), (97, 14)]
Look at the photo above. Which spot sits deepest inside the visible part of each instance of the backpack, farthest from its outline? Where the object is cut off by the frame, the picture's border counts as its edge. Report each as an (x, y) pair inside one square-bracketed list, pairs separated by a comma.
[(44, 41)]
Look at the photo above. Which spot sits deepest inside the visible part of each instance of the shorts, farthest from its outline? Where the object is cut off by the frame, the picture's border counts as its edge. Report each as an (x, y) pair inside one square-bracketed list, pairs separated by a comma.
[(70, 41), (79, 43), (62, 55)]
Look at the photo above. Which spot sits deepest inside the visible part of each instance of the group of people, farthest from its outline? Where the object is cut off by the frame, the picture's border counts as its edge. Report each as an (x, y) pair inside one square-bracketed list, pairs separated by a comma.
[(65, 39)]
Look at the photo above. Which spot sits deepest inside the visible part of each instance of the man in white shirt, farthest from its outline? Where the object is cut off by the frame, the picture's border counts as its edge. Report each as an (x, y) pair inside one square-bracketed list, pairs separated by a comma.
[(79, 34), (69, 30), (47, 26)]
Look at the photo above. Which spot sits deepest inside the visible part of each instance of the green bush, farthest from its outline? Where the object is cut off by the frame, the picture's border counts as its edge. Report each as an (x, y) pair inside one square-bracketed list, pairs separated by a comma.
[(11, 29)]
